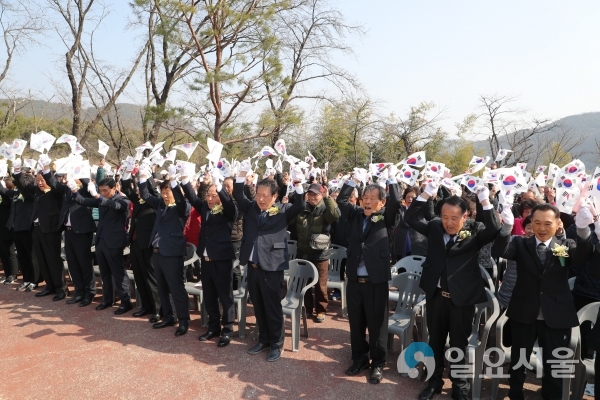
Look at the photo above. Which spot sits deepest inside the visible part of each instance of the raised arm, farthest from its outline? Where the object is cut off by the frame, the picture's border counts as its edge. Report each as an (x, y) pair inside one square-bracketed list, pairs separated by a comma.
[(183, 207), (392, 207), (229, 208), (190, 194), (347, 210), (151, 200)]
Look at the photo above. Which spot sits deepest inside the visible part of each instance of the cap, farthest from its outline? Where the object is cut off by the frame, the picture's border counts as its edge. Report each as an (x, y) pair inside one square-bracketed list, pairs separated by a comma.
[(315, 188)]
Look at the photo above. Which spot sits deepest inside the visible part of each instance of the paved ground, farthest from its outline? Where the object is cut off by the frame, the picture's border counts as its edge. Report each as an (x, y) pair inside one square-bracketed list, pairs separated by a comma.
[(52, 350)]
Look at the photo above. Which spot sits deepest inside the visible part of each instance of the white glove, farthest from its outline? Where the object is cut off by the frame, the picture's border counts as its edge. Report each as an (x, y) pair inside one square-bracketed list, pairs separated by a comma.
[(215, 176), (507, 216), (45, 161), (392, 171), (172, 171), (17, 166), (584, 217), (245, 165), (432, 188), (483, 193), (92, 189), (72, 185), (279, 167), (597, 228), (297, 174), (145, 173)]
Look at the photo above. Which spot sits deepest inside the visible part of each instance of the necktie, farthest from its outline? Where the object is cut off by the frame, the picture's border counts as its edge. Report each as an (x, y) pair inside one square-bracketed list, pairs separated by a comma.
[(263, 217), (541, 250), (444, 276)]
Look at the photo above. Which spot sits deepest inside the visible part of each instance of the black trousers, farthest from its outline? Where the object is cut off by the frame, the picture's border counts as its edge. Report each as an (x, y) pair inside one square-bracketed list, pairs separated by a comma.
[(8, 258), (523, 337), (112, 265), (28, 264), (79, 258), (265, 293), (170, 278), (443, 319), (46, 247), (143, 273), (217, 285), (368, 309)]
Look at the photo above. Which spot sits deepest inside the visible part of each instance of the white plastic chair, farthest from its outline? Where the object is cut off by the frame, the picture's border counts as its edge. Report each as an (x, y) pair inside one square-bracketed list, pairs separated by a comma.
[(571, 283), (402, 323), (240, 297), (303, 275), (584, 367), (292, 254), (334, 278), (412, 264)]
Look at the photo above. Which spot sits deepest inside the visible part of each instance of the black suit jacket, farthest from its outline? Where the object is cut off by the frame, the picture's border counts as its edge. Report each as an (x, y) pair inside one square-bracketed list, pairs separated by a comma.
[(46, 205), (545, 286), (5, 207), (373, 245), (215, 235), (22, 206), (81, 216), (271, 235), (112, 222), (143, 216), (461, 262), (169, 222)]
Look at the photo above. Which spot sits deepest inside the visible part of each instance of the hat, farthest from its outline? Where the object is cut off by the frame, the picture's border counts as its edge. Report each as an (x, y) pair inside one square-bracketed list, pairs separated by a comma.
[(315, 188)]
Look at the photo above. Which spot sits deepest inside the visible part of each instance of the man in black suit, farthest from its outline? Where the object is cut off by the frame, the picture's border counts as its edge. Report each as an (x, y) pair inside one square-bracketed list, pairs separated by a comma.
[(368, 272), (19, 222), (46, 236), (111, 239), (142, 221), (168, 247), (7, 248), (541, 306), (264, 251), (79, 227), (216, 253), (451, 276)]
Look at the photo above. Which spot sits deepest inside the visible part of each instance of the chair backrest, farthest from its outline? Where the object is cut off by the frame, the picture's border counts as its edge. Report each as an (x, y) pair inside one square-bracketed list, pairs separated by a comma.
[(412, 264), (409, 291), (589, 313), (190, 251), (336, 258), (292, 249), (288, 234), (300, 273), (241, 290), (488, 280), (480, 336), (571, 283)]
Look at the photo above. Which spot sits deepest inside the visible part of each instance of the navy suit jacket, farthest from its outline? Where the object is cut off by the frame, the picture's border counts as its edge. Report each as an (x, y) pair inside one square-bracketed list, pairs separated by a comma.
[(169, 222), (143, 215), (271, 235), (22, 207), (373, 244), (81, 216), (112, 223), (215, 235)]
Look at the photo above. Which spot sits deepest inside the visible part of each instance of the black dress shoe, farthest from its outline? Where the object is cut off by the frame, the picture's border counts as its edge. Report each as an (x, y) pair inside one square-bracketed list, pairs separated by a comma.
[(460, 396), (274, 355), (102, 306), (141, 313), (123, 309), (429, 392), (76, 299), (184, 324), (44, 292), (357, 367), (376, 375), (60, 296), (258, 348), (224, 341), (85, 302), (208, 335), (154, 319), (164, 323)]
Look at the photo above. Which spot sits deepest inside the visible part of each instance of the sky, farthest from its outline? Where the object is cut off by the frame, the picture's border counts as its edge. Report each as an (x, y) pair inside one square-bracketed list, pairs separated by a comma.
[(544, 52)]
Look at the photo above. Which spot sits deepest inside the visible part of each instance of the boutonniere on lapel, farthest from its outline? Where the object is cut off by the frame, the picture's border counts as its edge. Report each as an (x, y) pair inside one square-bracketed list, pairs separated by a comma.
[(561, 252), (376, 218), (462, 235), (141, 201), (274, 210), (20, 197), (47, 190), (217, 209)]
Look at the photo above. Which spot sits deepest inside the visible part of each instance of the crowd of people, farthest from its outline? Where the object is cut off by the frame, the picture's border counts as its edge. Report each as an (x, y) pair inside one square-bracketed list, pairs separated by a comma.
[(246, 219)]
